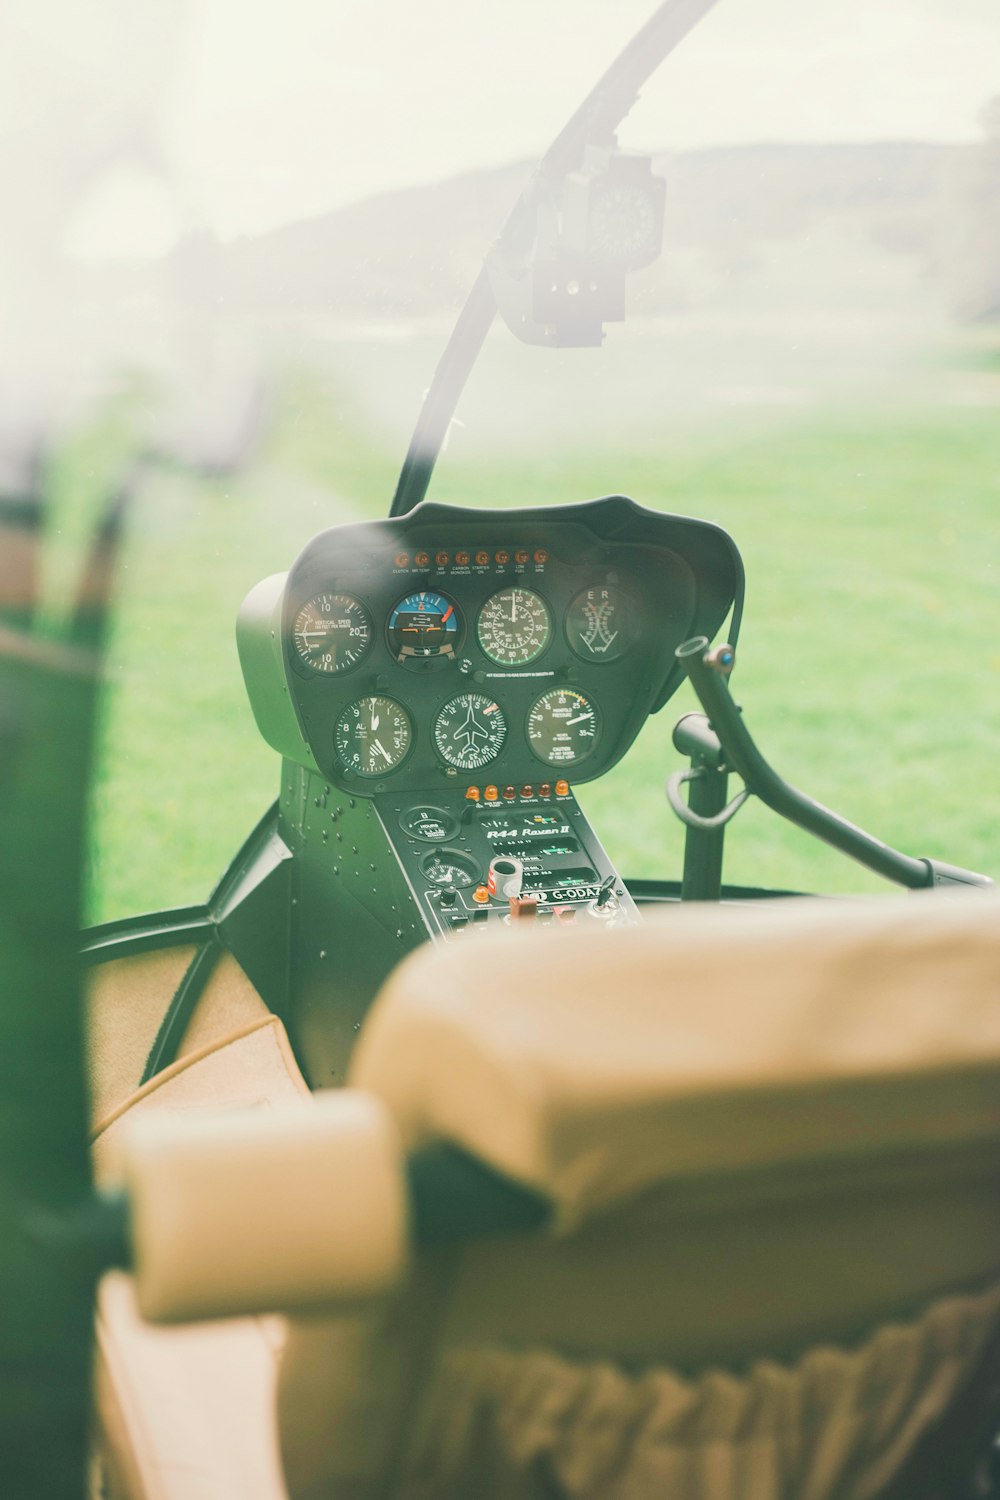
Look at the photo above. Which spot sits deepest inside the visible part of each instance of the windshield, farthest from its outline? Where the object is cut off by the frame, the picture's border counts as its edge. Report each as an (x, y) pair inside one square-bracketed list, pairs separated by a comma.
[(242, 234)]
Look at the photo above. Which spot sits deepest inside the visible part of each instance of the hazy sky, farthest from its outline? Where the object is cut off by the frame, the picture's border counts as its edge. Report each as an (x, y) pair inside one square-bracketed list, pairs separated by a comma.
[(255, 112)]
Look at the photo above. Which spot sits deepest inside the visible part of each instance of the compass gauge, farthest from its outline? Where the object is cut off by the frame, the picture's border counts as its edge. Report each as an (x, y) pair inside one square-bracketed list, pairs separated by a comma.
[(514, 627), (332, 632), (469, 732), (373, 736)]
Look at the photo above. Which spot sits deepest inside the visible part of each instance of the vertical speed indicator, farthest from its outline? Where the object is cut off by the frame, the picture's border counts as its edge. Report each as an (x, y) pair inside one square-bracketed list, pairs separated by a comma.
[(332, 632)]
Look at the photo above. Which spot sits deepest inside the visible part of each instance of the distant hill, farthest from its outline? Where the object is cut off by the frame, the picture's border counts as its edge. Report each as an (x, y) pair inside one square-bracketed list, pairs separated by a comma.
[(738, 216)]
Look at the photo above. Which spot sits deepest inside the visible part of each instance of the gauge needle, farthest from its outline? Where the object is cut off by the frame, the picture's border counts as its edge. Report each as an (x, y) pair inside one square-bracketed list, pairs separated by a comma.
[(375, 721), (578, 720), (377, 745)]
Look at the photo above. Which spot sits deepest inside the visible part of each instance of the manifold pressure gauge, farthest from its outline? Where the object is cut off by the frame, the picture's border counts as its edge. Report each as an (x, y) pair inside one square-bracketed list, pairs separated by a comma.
[(373, 736), (332, 632), (562, 727), (469, 731), (514, 627)]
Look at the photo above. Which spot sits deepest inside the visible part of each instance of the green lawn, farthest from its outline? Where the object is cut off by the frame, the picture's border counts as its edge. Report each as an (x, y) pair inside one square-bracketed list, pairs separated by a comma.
[(869, 665)]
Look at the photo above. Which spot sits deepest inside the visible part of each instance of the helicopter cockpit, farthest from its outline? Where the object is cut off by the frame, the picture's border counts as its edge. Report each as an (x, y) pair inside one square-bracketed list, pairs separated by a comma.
[(473, 1155), (435, 684)]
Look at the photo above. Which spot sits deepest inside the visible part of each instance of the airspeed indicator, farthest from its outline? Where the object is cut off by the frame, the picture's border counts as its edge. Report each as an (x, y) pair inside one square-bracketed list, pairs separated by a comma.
[(514, 627)]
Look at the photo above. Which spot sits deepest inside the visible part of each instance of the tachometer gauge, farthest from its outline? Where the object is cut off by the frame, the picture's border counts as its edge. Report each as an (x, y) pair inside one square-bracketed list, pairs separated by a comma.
[(332, 632), (424, 625), (373, 736), (469, 731), (601, 624), (562, 727), (514, 627)]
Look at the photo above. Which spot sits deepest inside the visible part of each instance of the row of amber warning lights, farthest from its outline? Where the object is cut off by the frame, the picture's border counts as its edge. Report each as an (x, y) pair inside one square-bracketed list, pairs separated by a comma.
[(508, 793), (463, 559)]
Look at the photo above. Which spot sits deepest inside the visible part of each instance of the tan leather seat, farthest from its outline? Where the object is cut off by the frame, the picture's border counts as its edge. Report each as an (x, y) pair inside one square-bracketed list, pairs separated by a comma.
[(189, 1413), (769, 1137)]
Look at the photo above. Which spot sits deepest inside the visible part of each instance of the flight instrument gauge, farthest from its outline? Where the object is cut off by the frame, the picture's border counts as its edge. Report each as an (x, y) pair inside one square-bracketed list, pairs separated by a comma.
[(562, 727), (514, 627), (332, 632), (469, 731), (424, 625), (601, 624), (373, 736)]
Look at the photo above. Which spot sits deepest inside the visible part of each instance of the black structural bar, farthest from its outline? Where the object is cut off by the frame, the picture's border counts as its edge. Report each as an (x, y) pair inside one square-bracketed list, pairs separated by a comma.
[(743, 756), (595, 121), (182, 1007)]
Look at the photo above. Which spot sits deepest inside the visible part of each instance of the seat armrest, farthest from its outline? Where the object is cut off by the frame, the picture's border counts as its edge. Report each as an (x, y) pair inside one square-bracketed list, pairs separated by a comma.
[(298, 1207)]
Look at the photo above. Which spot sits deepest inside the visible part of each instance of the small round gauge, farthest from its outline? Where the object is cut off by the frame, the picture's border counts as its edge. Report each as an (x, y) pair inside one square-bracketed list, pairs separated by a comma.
[(624, 224), (449, 867), (562, 727), (332, 632), (373, 736), (469, 731), (601, 624), (424, 625), (514, 627)]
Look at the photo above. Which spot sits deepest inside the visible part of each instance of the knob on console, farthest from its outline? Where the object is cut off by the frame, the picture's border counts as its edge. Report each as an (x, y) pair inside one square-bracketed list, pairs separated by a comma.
[(506, 877)]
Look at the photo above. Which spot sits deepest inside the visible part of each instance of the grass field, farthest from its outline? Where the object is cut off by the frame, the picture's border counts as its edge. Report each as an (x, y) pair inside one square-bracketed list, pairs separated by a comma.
[(869, 664)]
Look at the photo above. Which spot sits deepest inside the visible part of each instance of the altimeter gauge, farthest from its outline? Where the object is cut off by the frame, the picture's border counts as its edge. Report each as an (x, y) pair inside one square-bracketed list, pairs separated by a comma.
[(514, 627), (563, 727), (332, 632), (470, 731), (601, 624), (373, 736)]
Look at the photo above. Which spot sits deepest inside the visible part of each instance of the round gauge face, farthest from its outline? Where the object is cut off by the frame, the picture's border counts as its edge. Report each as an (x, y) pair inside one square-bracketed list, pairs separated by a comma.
[(449, 867), (601, 624), (469, 731), (332, 632), (514, 627), (562, 727), (623, 223), (373, 736), (424, 625)]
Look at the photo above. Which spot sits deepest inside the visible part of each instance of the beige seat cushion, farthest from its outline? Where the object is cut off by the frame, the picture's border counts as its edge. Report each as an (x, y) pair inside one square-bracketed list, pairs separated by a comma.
[(771, 1137), (713, 1041), (189, 1413)]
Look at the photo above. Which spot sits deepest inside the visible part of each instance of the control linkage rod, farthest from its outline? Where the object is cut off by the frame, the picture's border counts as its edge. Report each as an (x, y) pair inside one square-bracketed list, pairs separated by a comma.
[(708, 671)]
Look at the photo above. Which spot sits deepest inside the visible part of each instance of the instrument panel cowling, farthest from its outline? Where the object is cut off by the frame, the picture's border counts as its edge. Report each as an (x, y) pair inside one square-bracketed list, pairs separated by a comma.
[(452, 646)]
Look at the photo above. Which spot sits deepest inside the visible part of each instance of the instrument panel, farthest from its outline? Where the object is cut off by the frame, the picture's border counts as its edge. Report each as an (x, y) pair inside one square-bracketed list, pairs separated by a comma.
[(493, 650)]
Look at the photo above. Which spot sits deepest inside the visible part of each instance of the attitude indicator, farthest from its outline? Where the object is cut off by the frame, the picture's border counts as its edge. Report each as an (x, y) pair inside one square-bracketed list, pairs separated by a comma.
[(424, 625)]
